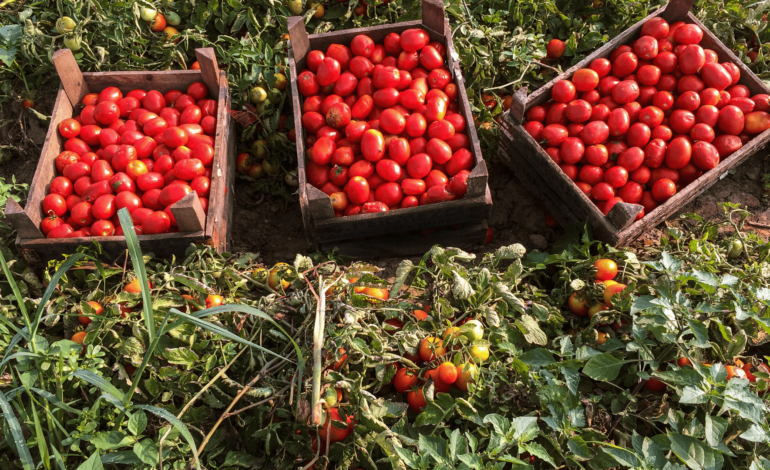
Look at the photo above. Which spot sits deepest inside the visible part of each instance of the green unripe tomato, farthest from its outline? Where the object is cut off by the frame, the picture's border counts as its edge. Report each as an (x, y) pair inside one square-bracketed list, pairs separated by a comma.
[(295, 7), (257, 95), (72, 42), (259, 149), (473, 330), (173, 19), (271, 166), (735, 249), (292, 179), (148, 14), (275, 96), (65, 24)]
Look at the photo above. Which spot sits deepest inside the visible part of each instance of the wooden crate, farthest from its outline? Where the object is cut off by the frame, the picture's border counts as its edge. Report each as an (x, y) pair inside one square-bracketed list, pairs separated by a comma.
[(36, 249), (538, 172), (355, 234)]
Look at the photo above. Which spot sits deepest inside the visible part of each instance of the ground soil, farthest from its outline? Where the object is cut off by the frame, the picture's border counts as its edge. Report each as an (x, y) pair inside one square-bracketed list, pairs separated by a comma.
[(272, 226)]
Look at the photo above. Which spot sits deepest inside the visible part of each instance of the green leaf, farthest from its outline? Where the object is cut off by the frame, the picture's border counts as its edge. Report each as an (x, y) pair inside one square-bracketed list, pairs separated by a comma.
[(147, 451), (622, 456), (740, 398), (461, 288), (715, 429), (430, 415), (605, 367), (111, 440), (99, 382), (403, 270), (652, 454), (182, 356), (539, 451), (694, 454), (240, 459), (137, 260), (538, 357), (756, 434), (524, 428), (700, 331), (178, 425), (531, 330), (137, 423), (693, 396), (9, 38), (579, 447), (572, 377), (409, 457), (55, 401), (433, 446), (93, 463)]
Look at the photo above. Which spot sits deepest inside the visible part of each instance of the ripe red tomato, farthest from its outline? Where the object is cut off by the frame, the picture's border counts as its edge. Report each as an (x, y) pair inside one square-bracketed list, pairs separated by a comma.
[(563, 91), (69, 128), (624, 64), (731, 120), (692, 59), (555, 49), (127, 200), (414, 39), (663, 189), (357, 190), (656, 27), (688, 34), (60, 231), (389, 170), (617, 176), (157, 222), (595, 132), (705, 156), (725, 144), (198, 90), (104, 207), (646, 47), (373, 145), (173, 193), (61, 186), (572, 150)]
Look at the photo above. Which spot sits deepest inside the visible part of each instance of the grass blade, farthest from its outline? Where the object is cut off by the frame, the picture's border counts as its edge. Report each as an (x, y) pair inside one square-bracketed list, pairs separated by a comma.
[(18, 436), (93, 463), (98, 382), (138, 262), (52, 399), (222, 332), (51, 286), (57, 458), (124, 457), (42, 445), (13, 356), (15, 288), (179, 425)]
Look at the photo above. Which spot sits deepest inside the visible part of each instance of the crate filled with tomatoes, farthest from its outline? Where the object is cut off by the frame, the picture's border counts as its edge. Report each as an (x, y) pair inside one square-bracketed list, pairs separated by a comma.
[(638, 129), (389, 159), (160, 144)]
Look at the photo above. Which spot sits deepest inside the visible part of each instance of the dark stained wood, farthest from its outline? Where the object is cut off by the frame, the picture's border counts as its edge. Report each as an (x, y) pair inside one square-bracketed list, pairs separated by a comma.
[(518, 105), (677, 10), (531, 179), (433, 16), (623, 214), (20, 221), (470, 237), (209, 70), (619, 227), (298, 40), (321, 227), (127, 81), (70, 75), (37, 251), (46, 166), (189, 214)]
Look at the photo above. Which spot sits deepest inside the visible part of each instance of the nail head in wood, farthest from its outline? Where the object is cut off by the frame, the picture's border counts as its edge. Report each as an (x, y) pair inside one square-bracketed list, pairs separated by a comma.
[(207, 60), (20, 221), (189, 214), (623, 214), (70, 75)]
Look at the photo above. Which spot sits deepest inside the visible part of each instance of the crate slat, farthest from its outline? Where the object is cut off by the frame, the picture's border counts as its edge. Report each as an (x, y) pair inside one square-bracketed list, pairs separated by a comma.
[(566, 202)]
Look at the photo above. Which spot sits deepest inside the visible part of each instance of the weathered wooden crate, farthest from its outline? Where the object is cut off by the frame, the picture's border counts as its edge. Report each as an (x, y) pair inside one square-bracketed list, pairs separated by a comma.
[(36, 249), (398, 230), (538, 172)]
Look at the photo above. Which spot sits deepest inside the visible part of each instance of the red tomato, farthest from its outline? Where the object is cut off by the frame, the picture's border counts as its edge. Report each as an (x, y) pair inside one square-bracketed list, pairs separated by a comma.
[(617, 176), (585, 79), (154, 101), (624, 64), (727, 145), (389, 193), (731, 120), (602, 192), (60, 231), (104, 207), (389, 170), (595, 132), (555, 49), (188, 169), (127, 200), (631, 159), (564, 91), (173, 193), (54, 204), (663, 189), (357, 190), (414, 39), (61, 186), (705, 156), (688, 34), (155, 223), (198, 90), (646, 47), (69, 128), (625, 92), (692, 59), (656, 27)]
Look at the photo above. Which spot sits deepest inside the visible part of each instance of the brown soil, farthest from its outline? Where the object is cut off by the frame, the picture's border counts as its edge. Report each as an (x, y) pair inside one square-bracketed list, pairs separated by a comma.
[(272, 226)]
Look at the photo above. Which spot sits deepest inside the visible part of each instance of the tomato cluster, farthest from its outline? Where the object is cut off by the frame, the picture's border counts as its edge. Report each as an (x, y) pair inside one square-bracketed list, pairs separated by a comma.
[(579, 302), (382, 126), (144, 152), (646, 122)]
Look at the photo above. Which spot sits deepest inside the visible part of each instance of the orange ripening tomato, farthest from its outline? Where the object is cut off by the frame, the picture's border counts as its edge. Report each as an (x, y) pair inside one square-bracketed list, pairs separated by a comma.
[(421, 314), (447, 372), (466, 374), (343, 358), (214, 301), (438, 384), (654, 385), (405, 379), (79, 337), (431, 348), (134, 287), (683, 362), (735, 371), (84, 320), (606, 269), (452, 332), (601, 338), (578, 305), (611, 290)]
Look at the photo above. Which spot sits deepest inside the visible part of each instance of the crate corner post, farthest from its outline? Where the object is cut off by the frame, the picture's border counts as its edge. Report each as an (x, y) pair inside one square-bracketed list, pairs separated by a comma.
[(433, 15), (189, 214), (623, 214), (71, 76), (518, 105), (207, 60), (677, 10), (21, 221), (319, 204)]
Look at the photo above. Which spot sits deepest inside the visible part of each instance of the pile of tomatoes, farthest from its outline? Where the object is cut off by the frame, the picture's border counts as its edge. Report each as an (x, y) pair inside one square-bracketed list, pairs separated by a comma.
[(646, 122), (144, 152), (442, 373), (382, 126), (580, 304)]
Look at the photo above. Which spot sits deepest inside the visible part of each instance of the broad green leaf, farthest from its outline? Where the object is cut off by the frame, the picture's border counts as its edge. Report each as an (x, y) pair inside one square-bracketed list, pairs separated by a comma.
[(178, 425), (579, 447), (240, 459), (694, 454), (137, 423), (756, 434), (461, 288), (693, 396), (531, 330), (715, 429), (93, 463), (433, 446), (181, 356), (700, 331), (605, 367), (147, 451), (539, 451), (538, 357), (111, 440), (524, 428), (622, 456), (409, 457), (652, 454), (572, 377)]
